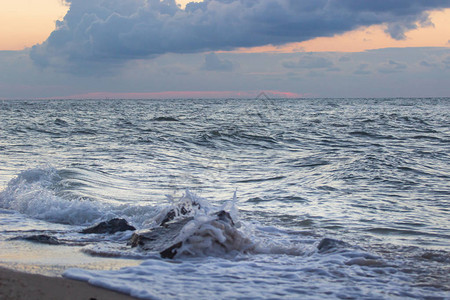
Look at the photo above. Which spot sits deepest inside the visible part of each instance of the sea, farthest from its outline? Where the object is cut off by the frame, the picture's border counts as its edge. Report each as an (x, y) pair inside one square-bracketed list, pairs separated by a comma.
[(330, 198)]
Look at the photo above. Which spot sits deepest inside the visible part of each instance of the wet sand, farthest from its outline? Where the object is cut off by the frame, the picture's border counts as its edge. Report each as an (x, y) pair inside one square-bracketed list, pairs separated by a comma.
[(16, 285)]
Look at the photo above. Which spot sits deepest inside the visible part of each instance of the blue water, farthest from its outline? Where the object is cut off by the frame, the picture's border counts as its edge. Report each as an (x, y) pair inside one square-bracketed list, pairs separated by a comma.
[(372, 173)]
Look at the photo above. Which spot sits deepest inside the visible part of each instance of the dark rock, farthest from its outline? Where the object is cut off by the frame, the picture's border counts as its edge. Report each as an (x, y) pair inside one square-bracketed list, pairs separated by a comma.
[(234, 240), (164, 239), (171, 251), (171, 215), (327, 245), (182, 210), (111, 226), (225, 217), (40, 238), (160, 238)]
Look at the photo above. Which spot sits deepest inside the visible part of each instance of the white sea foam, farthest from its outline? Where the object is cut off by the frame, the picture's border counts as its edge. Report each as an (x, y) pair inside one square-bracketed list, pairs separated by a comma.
[(38, 193), (315, 276), (31, 193), (188, 205), (208, 235)]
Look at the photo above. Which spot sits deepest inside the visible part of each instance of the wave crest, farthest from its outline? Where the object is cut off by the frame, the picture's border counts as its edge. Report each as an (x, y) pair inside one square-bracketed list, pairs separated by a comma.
[(34, 193)]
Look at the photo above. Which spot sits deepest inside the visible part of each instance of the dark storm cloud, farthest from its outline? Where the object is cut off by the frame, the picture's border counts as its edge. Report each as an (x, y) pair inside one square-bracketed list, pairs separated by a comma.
[(109, 31)]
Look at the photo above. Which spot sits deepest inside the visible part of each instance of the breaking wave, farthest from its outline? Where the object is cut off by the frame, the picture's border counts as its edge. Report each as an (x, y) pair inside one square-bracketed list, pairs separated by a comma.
[(45, 194)]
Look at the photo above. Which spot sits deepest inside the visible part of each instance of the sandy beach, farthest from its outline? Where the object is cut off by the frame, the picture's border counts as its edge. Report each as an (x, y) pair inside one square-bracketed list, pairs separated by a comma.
[(17, 285)]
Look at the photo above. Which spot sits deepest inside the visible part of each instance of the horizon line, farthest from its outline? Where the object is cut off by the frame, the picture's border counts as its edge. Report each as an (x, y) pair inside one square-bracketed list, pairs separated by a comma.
[(179, 95)]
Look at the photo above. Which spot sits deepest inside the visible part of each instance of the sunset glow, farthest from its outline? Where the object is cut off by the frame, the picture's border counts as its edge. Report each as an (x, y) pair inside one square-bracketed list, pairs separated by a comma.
[(24, 23)]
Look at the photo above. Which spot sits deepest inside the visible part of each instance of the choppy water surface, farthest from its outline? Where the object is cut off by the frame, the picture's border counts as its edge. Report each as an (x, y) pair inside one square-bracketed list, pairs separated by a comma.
[(371, 173)]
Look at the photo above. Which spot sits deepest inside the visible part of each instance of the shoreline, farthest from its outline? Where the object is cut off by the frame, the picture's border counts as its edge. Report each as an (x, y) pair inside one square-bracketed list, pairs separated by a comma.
[(16, 285)]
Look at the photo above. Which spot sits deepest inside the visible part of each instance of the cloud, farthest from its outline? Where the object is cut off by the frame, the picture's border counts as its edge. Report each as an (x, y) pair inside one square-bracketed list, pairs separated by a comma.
[(358, 76), (363, 69), (309, 62), (446, 62), (427, 64), (397, 29), (442, 62), (344, 59), (95, 33), (214, 63), (392, 67)]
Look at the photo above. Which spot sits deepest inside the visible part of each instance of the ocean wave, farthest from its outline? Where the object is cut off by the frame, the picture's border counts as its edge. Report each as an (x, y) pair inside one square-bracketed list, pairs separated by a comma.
[(165, 119), (33, 193), (46, 194)]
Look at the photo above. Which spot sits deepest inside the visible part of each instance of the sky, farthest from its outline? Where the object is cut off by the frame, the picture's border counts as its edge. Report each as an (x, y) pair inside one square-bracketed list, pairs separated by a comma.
[(224, 48)]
